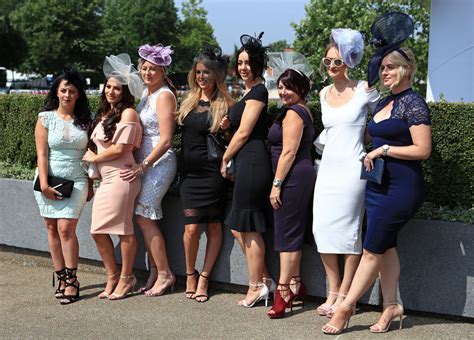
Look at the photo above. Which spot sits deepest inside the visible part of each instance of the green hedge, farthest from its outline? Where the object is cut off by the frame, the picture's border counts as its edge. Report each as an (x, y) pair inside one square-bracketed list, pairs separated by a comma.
[(449, 172)]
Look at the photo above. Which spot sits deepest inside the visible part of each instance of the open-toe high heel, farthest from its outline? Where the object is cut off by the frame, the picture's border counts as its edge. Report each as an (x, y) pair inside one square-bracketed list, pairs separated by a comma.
[(168, 285), (376, 328), (205, 296), (322, 309), (331, 310), (190, 293), (71, 281), (263, 295), (280, 305), (129, 288), (105, 294), (334, 330), (61, 276), (150, 281), (273, 286), (301, 292)]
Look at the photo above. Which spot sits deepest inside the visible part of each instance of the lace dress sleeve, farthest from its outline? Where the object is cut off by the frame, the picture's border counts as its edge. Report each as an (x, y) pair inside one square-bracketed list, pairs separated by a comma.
[(44, 116), (417, 112)]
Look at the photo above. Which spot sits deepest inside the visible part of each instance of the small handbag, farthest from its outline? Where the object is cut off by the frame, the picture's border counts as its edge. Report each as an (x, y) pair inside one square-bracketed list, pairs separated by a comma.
[(376, 174), (216, 146), (64, 186)]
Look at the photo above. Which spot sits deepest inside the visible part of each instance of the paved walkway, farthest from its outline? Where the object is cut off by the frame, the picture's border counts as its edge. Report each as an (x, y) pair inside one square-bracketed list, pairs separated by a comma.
[(29, 310)]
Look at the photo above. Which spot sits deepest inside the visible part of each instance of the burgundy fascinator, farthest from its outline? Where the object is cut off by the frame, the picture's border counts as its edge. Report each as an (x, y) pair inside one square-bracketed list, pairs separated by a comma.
[(158, 54)]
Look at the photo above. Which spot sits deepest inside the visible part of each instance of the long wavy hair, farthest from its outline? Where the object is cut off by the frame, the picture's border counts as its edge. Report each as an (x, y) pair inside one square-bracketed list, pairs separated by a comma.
[(113, 115), (220, 97), (82, 112)]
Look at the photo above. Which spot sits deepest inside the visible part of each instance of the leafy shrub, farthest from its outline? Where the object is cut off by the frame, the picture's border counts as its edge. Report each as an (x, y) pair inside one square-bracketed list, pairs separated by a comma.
[(449, 173)]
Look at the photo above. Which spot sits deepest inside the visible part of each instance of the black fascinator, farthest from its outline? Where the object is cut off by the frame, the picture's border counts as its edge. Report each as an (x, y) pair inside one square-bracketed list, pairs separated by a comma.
[(214, 53), (389, 31), (257, 52), (253, 43)]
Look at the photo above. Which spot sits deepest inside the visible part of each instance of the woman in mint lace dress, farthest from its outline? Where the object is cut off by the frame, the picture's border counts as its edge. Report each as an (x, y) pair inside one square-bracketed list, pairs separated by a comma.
[(61, 141)]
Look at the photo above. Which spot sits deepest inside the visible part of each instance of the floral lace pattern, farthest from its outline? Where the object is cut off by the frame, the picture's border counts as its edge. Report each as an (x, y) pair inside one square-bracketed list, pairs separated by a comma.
[(407, 105)]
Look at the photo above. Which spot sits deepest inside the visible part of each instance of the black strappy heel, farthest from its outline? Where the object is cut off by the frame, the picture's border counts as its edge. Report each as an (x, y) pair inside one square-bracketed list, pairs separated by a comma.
[(203, 295), (195, 273), (61, 275), (71, 281)]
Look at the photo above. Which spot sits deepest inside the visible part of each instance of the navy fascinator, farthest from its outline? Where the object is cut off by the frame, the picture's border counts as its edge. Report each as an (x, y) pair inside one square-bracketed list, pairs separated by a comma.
[(389, 31)]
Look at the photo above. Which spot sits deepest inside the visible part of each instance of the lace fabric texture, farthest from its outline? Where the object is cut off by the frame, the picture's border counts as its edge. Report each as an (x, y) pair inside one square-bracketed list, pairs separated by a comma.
[(407, 105), (157, 180), (66, 146)]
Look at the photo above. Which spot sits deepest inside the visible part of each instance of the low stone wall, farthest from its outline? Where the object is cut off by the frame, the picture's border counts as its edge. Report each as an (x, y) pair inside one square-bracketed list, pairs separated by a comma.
[(437, 273)]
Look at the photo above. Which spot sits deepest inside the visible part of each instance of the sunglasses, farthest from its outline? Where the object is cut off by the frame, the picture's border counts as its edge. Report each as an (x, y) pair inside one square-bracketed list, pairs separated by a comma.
[(336, 61)]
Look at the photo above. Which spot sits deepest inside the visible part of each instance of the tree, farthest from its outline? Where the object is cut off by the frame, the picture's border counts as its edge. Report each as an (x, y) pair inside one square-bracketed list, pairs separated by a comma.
[(128, 24), (58, 33), (194, 32), (278, 46), (13, 47), (312, 34)]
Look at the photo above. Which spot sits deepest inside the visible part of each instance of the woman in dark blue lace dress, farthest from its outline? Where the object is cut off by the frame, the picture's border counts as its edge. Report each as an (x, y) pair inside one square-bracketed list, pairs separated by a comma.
[(401, 134)]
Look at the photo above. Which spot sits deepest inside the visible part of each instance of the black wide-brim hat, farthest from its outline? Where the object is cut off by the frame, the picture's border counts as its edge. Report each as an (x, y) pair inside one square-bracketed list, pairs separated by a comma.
[(389, 31)]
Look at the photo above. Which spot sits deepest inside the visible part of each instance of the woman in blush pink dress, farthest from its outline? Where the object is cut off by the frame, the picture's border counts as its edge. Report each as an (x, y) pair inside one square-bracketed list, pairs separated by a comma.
[(116, 134)]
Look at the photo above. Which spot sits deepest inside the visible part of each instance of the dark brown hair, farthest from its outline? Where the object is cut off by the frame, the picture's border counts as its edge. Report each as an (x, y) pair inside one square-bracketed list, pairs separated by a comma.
[(296, 81), (257, 59), (113, 115)]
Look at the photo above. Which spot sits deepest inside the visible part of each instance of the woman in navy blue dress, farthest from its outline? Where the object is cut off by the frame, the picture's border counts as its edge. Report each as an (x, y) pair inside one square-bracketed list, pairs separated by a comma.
[(401, 134), (291, 197)]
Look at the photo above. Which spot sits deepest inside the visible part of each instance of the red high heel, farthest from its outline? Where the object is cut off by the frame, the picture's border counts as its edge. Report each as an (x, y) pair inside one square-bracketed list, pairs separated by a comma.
[(302, 291), (280, 305)]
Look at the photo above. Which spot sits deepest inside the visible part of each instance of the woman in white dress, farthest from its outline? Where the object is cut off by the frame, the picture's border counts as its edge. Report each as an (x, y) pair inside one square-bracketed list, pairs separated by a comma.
[(338, 208), (158, 161)]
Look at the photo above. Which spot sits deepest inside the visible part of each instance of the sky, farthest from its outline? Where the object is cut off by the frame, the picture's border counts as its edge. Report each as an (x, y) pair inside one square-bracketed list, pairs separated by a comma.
[(232, 18)]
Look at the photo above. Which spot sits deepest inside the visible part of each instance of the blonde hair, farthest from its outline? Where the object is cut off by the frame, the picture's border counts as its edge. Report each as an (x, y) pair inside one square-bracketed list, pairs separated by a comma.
[(220, 99), (406, 68)]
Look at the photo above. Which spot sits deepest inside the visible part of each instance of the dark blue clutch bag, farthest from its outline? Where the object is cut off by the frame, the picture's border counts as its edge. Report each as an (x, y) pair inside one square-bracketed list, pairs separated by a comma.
[(375, 175)]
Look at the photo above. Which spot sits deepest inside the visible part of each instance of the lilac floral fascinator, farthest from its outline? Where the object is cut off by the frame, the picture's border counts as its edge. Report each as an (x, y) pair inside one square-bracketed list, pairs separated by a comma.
[(158, 54)]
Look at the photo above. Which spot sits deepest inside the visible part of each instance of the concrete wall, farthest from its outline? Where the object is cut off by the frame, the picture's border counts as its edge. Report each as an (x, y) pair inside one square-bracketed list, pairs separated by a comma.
[(437, 259), (451, 51)]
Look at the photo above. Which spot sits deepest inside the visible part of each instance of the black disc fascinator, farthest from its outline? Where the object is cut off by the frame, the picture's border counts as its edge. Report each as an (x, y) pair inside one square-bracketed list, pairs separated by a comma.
[(253, 44), (389, 31), (214, 53)]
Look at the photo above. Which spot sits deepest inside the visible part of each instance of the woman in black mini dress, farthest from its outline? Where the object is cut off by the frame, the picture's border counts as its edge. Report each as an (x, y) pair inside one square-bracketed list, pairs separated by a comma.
[(202, 187)]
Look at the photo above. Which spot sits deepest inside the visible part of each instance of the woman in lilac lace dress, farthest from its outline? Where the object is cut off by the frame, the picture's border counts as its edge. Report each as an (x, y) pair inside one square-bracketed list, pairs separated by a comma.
[(401, 134), (158, 161)]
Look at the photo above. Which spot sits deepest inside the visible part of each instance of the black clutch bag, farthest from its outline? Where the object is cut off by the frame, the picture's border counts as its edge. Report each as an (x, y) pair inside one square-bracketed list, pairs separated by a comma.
[(216, 146), (376, 174), (64, 186)]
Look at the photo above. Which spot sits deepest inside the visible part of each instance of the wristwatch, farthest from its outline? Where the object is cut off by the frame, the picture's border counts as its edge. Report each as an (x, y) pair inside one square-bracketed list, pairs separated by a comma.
[(146, 163), (385, 149), (277, 183)]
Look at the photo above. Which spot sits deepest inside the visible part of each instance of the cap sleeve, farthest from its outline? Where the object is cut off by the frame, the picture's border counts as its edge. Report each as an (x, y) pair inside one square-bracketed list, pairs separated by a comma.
[(418, 112), (258, 92), (302, 112), (128, 133), (44, 117)]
